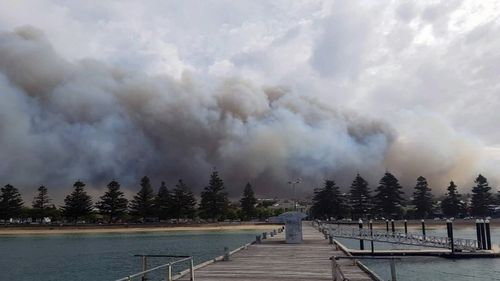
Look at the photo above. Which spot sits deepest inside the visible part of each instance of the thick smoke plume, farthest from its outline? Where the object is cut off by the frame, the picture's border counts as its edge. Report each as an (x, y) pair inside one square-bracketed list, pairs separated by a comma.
[(61, 121)]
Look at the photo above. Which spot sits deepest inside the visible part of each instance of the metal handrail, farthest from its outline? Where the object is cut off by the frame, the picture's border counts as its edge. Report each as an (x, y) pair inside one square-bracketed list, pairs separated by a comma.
[(337, 272), (166, 265)]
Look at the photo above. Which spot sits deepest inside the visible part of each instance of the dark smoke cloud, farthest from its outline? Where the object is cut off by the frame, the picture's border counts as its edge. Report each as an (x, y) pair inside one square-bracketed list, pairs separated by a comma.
[(61, 121)]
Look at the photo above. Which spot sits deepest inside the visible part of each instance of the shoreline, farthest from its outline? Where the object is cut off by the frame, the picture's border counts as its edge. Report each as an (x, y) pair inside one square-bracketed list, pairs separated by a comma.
[(96, 229)]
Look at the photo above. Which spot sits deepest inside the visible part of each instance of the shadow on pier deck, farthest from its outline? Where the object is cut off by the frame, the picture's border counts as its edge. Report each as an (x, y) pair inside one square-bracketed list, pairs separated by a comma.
[(273, 259)]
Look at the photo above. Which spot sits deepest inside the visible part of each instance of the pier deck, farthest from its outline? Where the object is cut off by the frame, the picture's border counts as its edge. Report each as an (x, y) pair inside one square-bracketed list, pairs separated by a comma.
[(273, 259)]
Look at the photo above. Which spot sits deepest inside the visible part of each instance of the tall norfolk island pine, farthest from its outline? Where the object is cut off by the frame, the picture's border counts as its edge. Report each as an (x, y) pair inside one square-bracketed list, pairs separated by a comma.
[(388, 198), (183, 201), (163, 202), (78, 204), (452, 205), (142, 205), (359, 197), (482, 197), (248, 202), (41, 202), (327, 202), (11, 202), (113, 203), (214, 202), (422, 198)]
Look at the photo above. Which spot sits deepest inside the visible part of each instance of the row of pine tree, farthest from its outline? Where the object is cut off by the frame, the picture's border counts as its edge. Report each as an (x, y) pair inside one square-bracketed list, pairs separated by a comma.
[(178, 203), (389, 202)]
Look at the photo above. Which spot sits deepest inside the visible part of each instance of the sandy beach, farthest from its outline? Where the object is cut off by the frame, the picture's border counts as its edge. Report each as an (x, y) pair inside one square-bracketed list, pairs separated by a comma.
[(42, 230)]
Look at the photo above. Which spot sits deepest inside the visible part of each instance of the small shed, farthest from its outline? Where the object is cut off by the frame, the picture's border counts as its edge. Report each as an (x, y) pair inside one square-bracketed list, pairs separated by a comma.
[(293, 226)]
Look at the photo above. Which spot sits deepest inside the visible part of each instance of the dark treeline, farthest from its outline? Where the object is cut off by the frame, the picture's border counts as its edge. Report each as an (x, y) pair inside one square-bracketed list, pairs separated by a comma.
[(388, 201), (177, 203)]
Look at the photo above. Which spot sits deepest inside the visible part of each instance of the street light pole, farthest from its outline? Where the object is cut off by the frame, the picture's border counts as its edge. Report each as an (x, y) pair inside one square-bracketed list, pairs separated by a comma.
[(294, 199)]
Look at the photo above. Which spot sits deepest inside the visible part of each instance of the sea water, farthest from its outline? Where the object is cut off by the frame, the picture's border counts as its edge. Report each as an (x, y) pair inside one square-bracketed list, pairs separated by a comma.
[(435, 268), (96, 257)]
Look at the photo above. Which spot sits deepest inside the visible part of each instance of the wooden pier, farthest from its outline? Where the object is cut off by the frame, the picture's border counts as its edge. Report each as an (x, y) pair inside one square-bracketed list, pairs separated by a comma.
[(273, 259)]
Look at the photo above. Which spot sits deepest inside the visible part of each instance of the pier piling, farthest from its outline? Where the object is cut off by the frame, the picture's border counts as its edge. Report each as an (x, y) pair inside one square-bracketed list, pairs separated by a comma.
[(479, 235), (423, 228), (449, 228), (371, 234), (488, 234), (361, 241), (482, 225)]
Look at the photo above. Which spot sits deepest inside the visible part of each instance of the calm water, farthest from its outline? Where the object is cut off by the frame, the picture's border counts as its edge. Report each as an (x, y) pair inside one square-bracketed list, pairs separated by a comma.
[(95, 257), (433, 268)]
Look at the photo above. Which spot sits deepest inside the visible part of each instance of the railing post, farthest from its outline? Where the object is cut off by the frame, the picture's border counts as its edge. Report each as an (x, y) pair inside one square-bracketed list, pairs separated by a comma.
[(226, 254), (191, 270), (334, 269), (392, 227), (406, 228), (169, 272), (387, 225), (144, 267), (393, 270)]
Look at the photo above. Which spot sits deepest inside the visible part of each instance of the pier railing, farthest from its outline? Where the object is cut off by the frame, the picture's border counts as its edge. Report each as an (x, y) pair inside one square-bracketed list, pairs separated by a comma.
[(167, 267), (402, 238), (338, 275)]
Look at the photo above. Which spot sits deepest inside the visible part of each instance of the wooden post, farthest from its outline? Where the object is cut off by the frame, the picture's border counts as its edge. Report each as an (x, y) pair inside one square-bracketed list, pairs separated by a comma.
[(330, 239), (488, 234), (406, 228), (423, 228), (392, 227), (371, 234), (361, 241), (387, 225), (393, 270)]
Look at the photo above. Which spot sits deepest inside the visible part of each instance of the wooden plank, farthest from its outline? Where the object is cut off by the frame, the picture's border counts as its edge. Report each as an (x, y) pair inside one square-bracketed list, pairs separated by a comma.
[(273, 259)]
